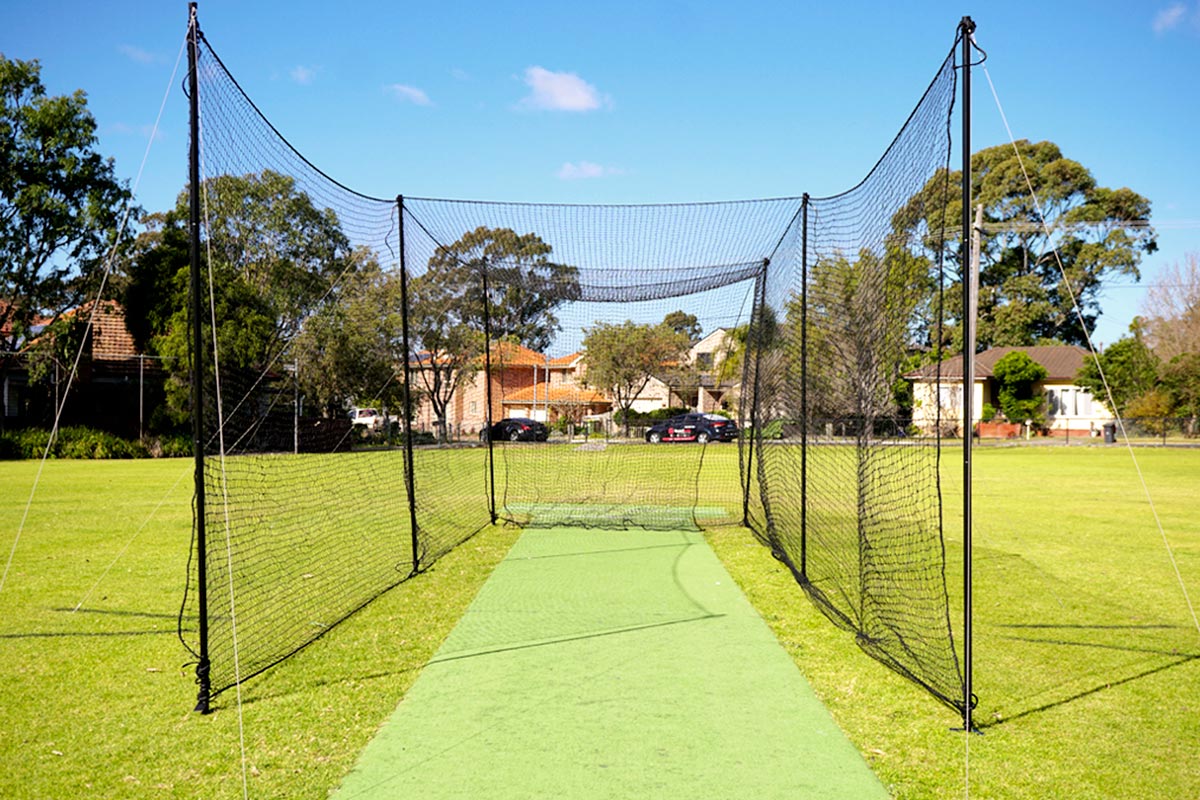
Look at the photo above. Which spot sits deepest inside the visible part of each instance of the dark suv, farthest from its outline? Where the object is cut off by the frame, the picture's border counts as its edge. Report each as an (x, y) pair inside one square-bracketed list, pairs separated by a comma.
[(516, 429), (702, 428)]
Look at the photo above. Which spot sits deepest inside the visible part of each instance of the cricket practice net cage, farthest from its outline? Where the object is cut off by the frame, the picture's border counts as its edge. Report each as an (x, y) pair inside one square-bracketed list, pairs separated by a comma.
[(534, 363)]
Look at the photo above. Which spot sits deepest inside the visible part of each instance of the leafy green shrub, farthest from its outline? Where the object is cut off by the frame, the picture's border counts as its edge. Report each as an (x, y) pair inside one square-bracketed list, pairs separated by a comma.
[(79, 442), (71, 442), (1018, 375), (172, 446), (649, 417)]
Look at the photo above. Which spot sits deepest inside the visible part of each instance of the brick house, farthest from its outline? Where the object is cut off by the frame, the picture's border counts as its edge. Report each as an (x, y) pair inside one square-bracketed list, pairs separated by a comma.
[(116, 388)]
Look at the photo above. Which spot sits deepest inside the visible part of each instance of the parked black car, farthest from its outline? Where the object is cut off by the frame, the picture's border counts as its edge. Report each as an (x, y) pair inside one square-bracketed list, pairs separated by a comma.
[(516, 429), (702, 428)]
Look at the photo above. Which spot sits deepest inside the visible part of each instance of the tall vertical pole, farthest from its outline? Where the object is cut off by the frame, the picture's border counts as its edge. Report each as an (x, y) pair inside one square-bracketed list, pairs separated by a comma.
[(966, 28), (203, 665), (756, 338), (804, 386), (409, 484), (487, 382)]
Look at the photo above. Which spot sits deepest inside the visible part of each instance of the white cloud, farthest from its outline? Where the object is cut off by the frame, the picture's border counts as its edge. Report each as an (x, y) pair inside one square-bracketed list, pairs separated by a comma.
[(586, 169), (460, 74), (138, 54), (303, 75), (409, 94), (561, 91), (1169, 17)]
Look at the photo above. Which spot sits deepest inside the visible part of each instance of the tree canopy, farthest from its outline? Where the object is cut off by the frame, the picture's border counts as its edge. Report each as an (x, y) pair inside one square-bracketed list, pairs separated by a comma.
[(686, 324), (1155, 371), (1100, 233), (276, 260), (447, 311), (60, 205), (865, 315), (1130, 368), (524, 285), (623, 358)]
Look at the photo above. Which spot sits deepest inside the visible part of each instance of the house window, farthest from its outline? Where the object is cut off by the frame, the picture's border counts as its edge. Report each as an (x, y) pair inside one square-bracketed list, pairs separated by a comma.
[(474, 407), (1066, 403), (704, 360), (1084, 399)]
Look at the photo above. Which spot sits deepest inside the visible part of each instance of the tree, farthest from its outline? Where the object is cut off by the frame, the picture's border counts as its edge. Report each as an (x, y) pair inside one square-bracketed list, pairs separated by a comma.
[(276, 260), (1181, 377), (1171, 310), (350, 348), (1019, 398), (1172, 331), (686, 324), (60, 205), (623, 358), (1100, 233), (1130, 371), (524, 287), (865, 316), (448, 346)]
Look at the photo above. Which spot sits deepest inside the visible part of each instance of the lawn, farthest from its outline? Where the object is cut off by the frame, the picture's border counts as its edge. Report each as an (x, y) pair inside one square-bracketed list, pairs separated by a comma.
[(1085, 652)]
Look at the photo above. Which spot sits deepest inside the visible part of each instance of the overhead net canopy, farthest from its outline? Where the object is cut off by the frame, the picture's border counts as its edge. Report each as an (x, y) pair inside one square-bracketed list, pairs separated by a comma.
[(383, 377)]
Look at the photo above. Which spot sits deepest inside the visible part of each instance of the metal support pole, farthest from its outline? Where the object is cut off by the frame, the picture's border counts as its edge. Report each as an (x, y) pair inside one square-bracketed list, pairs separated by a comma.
[(804, 386), (141, 396), (487, 381), (754, 339), (409, 484), (203, 665), (966, 28)]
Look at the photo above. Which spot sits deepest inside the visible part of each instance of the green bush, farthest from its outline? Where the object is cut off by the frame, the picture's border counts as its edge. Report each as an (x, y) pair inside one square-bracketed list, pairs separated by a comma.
[(173, 446), (71, 442), (649, 417)]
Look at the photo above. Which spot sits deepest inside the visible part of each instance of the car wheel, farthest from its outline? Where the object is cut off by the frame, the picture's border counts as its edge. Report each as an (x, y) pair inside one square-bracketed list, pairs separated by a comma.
[(653, 437), (702, 437), (514, 436)]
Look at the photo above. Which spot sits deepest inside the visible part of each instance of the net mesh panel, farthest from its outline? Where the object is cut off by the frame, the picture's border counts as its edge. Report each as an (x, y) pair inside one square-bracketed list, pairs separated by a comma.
[(846, 497), (307, 515), (616, 266)]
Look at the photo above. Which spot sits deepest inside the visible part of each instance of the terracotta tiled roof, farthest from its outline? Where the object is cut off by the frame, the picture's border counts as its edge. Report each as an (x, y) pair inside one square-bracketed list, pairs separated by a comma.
[(515, 355), (1062, 363), (110, 339), (566, 361), (558, 394)]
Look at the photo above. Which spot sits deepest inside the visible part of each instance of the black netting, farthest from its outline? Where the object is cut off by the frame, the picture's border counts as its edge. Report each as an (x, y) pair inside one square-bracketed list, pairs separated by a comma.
[(566, 365)]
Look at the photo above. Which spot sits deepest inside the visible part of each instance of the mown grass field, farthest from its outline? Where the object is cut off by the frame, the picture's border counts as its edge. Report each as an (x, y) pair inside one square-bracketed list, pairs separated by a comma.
[(1087, 663)]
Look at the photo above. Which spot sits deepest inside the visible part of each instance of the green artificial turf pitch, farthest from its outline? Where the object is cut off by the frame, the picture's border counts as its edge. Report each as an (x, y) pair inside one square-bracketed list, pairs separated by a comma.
[(610, 664)]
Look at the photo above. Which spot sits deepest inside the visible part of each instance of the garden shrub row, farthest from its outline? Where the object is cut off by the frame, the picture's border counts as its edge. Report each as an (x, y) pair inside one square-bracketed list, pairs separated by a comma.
[(81, 442)]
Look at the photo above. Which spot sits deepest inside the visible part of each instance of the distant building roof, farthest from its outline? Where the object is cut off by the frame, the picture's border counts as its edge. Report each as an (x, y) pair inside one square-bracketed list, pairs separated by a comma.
[(1062, 363), (561, 395)]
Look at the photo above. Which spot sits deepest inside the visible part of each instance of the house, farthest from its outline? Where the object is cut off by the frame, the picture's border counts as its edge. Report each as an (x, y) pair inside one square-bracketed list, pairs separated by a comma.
[(115, 389), (698, 385), (1070, 409), (525, 383)]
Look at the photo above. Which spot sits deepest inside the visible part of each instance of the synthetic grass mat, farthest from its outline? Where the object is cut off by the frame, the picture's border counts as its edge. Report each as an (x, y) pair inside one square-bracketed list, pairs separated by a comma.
[(610, 664)]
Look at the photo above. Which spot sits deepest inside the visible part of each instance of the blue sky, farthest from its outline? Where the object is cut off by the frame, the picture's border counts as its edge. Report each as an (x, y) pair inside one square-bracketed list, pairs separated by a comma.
[(627, 102)]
